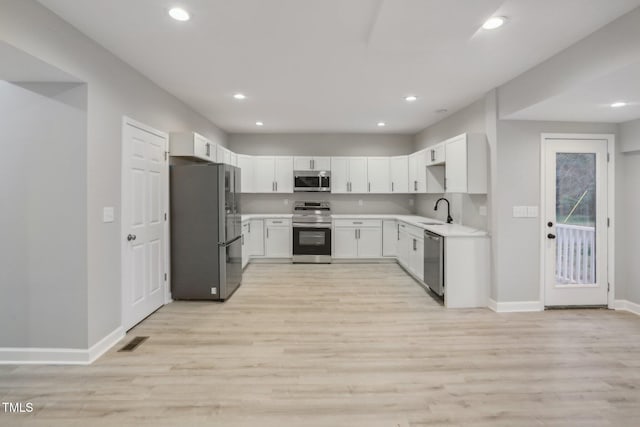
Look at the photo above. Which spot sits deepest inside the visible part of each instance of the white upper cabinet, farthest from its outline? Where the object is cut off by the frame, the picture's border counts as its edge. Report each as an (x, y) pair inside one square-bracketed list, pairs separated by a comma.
[(418, 172), (312, 163), (273, 174), (436, 154), (378, 173), (466, 164), (192, 144), (284, 174), (245, 163), (224, 155), (399, 174), (349, 175)]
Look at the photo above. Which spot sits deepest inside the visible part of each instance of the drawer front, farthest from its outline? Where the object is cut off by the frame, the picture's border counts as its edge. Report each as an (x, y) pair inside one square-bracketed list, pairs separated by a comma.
[(357, 223), (278, 222), (414, 231)]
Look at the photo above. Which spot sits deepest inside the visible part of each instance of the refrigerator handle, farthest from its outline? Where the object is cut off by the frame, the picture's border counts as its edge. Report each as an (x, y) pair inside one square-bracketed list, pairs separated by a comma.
[(230, 242)]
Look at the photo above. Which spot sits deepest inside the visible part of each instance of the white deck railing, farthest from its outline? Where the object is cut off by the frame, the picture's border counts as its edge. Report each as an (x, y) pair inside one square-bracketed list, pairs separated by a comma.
[(576, 251)]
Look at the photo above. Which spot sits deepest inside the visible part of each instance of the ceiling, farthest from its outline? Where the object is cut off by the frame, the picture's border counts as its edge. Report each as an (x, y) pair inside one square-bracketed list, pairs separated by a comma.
[(591, 101), (334, 65)]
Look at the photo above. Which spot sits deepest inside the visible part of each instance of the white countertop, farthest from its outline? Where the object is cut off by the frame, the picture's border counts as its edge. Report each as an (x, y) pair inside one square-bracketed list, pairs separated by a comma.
[(442, 228)]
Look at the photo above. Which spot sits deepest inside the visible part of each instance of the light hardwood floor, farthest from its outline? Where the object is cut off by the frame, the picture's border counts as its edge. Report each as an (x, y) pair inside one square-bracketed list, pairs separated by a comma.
[(345, 345)]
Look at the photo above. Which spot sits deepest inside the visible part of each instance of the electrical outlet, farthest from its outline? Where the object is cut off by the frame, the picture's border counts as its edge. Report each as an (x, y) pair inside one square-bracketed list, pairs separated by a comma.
[(286, 201), (482, 210), (411, 202), (360, 203)]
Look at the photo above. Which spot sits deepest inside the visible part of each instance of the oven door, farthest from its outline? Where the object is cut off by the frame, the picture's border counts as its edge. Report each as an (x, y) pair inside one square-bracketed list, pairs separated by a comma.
[(311, 243), (306, 183)]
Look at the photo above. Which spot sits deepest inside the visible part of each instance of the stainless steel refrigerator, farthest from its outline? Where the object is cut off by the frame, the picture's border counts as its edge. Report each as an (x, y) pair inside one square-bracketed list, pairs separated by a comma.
[(206, 230)]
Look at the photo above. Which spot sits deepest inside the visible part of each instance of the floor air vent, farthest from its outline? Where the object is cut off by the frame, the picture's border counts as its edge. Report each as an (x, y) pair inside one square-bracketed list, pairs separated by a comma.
[(133, 344)]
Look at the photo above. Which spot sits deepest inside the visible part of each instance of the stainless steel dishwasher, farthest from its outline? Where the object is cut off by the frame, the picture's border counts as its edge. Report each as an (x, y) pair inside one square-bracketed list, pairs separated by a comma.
[(434, 262)]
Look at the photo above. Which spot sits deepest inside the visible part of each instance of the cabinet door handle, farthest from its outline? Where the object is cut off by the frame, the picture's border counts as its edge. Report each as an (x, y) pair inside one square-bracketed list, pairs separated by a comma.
[(392, 187), (369, 187), (356, 233), (267, 233), (414, 244), (415, 185), (208, 149), (276, 222), (357, 222), (398, 227), (433, 155), (249, 227)]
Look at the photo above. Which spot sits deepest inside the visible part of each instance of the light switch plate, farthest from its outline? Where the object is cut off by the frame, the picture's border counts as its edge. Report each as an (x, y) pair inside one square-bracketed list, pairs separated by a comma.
[(532, 211), (108, 214), (482, 211), (519, 211)]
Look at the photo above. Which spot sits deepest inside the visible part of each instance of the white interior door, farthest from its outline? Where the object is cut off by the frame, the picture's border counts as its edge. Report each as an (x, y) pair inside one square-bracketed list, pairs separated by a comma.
[(575, 222), (144, 234)]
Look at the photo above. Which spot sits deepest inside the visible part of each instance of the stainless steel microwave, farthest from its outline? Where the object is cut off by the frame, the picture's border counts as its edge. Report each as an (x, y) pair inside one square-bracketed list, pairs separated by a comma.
[(311, 181)]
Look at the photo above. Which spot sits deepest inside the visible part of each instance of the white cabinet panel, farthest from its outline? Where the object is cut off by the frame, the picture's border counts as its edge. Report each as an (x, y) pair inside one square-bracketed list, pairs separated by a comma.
[(370, 242), (389, 238), (358, 174), (277, 242), (283, 174), (399, 174), (456, 167), (417, 172), (403, 247), (378, 173), (416, 258), (308, 163), (263, 174), (245, 163), (345, 242), (256, 237), (303, 163), (245, 244), (466, 164), (436, 154), (191, 144), (322, 163), (339, 174)]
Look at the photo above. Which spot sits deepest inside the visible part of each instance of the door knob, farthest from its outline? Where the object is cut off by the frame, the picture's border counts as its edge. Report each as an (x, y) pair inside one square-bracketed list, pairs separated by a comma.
[(551, 236), (131, 237), (549, 224)]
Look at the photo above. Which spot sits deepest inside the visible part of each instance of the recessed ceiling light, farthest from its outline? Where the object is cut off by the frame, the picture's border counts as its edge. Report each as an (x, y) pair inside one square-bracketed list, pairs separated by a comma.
[(179, 14), (240, 96), (259, 124), (382, 124), (618, 104), (442, 110), (410, 98), (494, 22)]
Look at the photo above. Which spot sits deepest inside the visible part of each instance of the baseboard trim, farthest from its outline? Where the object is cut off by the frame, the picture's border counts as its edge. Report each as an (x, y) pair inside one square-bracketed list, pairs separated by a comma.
[(626, 305), (515, 306), (60, 356)]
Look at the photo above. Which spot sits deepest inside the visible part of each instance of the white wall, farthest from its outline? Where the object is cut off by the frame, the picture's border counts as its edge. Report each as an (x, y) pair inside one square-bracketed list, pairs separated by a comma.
[(518, 183), (43, 235), (114, 89), (325, 145), (627, 208), (465, 208), (319, 144)]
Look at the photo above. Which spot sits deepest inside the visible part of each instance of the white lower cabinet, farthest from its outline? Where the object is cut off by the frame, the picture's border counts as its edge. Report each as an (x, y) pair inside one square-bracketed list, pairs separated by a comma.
[(357, 239), (256, 238), (390, 237), (277, 242), (245, 244), (411, 249)]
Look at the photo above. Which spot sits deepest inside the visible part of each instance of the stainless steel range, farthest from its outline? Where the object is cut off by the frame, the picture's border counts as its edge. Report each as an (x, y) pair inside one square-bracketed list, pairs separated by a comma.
[(312, 232)]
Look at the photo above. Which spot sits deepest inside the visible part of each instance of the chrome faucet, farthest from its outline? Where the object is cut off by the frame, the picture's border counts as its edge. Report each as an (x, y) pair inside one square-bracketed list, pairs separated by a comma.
[(435, 208)]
